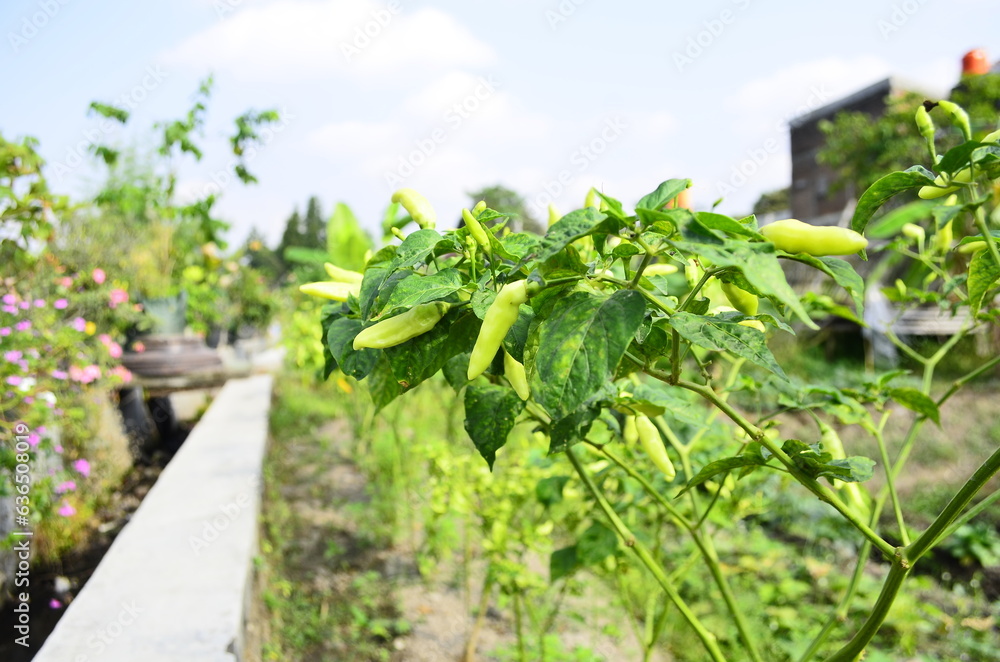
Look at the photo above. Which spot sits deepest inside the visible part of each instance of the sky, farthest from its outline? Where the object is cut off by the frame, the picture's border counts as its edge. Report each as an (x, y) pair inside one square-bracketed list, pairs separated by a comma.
[(547, 97)]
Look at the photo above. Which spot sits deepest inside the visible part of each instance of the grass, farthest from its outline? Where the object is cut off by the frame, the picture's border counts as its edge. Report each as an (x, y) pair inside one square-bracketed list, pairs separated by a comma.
[(324, 598)]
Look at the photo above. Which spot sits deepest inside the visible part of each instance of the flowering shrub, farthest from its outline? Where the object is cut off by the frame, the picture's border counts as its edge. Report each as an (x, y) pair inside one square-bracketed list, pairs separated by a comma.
[(60, 336)]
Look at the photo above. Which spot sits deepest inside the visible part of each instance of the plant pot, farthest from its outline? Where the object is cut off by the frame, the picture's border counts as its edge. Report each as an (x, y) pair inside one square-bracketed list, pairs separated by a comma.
[(168, 314)]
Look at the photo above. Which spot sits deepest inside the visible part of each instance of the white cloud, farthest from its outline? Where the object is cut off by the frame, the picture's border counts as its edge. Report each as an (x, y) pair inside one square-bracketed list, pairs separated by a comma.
[(770, 101), (296, 40)]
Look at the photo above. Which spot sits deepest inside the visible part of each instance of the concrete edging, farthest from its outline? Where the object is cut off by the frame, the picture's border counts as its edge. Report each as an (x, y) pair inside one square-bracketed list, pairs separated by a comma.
[(175, 583)]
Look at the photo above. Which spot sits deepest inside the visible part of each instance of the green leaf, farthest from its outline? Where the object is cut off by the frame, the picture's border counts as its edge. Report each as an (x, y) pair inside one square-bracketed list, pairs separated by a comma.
[(549, 491), (420, 358), (520, 244), (340, 340), (717, 334), (663, 194), (916, 401), (577, 347), (456, 369), (889, 225), (416, 248), (842, 273), (517, 337), (983, 274), (596, 544), (563, 563), (726, 224), (759, 263), (817, 463), (490, 414), (625, 250), (885, 188), (573, 428), (725, 465), (568, 229), (382, 384), (415, 289)]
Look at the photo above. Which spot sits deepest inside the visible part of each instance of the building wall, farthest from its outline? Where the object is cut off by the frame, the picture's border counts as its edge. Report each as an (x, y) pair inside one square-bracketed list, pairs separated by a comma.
[(812, 198)]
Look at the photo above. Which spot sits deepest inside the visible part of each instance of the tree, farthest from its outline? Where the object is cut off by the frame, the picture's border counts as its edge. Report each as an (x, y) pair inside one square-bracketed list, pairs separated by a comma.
[(509, 202), (292, 236), (314, 228), (772, 201), (861, 149)]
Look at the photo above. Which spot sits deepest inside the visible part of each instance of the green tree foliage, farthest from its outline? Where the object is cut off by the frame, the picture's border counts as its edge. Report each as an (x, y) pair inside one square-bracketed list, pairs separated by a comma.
[(861, 149), (772, 201), (315, 228)]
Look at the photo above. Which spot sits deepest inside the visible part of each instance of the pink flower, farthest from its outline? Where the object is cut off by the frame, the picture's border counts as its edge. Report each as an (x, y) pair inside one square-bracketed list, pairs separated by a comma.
[(33, 440), (65, 486), (67, 510), (117, 296), (79, 324), (60, 304), (10, 309), (25, 305), (138, 347), (39, 303), (14, 380), (58, 374), (83, 467), (58, 448), (66, 281), (115, 350), (12, 356), (122, 373), (54, 604), (98, 276), (9, 299), (92, 372), (105, 339), (23, 326), (76, 373), (5, 331)]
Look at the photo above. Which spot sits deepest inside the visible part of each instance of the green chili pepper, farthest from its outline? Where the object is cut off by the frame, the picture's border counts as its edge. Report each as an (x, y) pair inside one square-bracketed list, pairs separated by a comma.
[(942, 185), (652, 443), (514, 371), (958, 116), (476, 229), (417, 205), (742, 300), (794, 236), (500, 316), (331, 290), (342, 275), (396, 330)]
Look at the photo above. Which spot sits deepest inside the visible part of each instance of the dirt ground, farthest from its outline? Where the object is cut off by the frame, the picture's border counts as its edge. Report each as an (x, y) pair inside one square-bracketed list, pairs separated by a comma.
[(326, 498)]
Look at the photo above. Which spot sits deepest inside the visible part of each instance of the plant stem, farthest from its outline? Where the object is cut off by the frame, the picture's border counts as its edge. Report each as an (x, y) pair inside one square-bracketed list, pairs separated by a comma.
[(889, 482), (706, 548), (856, 646), (967, 516), (708, 640), (909, 555), (932, 534), (522, 653), (484, 602), (820, 490)]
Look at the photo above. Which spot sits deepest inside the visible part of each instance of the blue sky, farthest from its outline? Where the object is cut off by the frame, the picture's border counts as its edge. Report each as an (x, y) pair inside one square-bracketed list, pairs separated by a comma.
[(547, 97)]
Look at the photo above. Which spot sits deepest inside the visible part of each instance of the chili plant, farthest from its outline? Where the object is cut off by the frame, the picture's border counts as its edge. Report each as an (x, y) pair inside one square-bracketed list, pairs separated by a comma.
[(618, 317)]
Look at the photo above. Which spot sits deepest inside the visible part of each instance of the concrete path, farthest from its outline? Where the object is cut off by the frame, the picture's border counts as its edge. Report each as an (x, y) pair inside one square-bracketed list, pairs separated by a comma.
[(175, 583)]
